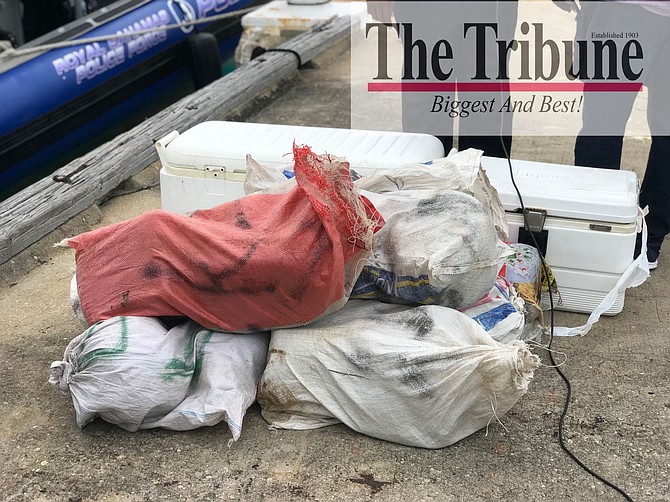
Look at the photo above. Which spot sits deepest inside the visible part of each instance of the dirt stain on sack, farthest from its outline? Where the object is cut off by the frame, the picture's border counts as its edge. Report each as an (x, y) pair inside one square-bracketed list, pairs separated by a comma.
[(310, 224), (432, 206), (213, 282), (281, 355), (459, 204), (361, 359), (415, 380), (278, 403), (241, 220), (151, 271), (407, 371), (452, 299), (416, 321), (320, 247), (124, 299)]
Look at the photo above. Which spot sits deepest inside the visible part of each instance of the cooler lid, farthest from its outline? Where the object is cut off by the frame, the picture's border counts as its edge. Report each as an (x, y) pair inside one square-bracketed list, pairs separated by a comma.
[(583, 193), (228, 143)]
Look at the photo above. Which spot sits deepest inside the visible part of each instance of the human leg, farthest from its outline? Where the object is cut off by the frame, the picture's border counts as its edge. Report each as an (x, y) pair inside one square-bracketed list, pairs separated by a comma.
[(655, 190), (598, 151), (655, 193), (604, 114)]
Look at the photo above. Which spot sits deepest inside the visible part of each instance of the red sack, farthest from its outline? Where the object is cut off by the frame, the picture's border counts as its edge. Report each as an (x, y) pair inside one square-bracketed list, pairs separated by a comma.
[(256, 263)]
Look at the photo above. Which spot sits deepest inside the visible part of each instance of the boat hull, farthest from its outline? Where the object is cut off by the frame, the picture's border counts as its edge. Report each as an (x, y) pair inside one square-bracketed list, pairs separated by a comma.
[(55, 104)]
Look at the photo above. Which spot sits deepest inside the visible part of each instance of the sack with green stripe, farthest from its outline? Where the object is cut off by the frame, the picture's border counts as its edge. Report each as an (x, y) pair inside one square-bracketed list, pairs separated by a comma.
[(138, 374)]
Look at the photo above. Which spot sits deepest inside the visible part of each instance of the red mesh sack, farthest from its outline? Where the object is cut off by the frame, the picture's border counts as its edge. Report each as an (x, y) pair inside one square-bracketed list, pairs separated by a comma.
[(261, 262)]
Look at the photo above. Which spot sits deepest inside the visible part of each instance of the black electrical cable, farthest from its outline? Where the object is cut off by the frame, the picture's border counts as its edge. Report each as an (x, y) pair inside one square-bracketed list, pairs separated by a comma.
[(568, 386)]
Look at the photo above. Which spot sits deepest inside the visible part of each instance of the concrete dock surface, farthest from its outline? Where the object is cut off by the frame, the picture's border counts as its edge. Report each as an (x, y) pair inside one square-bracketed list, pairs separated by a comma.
[(617, 423)]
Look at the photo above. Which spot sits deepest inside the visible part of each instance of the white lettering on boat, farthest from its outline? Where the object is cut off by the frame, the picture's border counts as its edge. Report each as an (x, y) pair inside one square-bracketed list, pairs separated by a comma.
[(213, 6), (94, 59)]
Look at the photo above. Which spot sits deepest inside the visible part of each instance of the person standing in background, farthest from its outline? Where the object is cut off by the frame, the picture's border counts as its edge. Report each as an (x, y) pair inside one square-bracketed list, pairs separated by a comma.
[(600, 141)]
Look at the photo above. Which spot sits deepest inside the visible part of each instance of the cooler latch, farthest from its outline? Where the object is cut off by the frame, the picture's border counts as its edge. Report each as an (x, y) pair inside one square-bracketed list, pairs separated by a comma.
[(533, 232), (534, 220)]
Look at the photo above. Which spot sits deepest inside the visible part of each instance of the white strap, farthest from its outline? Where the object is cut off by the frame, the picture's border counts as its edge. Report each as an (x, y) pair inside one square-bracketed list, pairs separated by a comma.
[(636, 273)]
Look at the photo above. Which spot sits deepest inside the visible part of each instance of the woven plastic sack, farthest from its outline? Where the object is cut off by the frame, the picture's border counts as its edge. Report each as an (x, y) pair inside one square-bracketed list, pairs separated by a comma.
[(259, 262), (119, 370), (137, 374), (223, 386), (500, 312), (436, 247), (460, 171), (425, 376)]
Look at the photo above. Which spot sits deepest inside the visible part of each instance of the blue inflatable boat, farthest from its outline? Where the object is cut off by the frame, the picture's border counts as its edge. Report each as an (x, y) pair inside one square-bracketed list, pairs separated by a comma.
[(57, 104)]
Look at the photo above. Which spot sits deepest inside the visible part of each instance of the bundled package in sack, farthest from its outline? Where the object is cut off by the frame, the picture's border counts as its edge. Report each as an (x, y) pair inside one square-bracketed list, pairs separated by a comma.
[(259, 262), (501, 313), (524, 270), (269, 179), (460, 171), (423, 376), (436, 247), (137, 374)]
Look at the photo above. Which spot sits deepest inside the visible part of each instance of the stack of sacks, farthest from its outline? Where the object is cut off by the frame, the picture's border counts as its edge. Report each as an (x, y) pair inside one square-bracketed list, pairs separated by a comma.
[(398, 362), (410, 368), (264, 261)]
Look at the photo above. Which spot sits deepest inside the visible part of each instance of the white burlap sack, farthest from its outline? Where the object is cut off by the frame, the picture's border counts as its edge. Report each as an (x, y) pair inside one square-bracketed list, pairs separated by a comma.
[(436, 248), (223, 386), (426, 376), (460, 171), (137, 374)]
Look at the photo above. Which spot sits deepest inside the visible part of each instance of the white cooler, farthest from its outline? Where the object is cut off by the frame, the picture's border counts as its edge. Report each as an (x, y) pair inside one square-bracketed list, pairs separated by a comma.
[(590, 221), (206, 165)]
